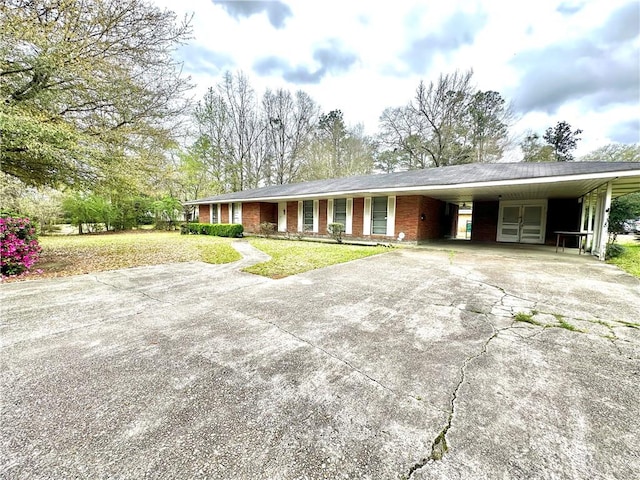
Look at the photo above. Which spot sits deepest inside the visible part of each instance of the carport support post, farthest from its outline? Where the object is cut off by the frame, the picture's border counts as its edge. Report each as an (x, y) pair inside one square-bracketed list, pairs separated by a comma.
[(604, 223), (589, 238), (583, 219)]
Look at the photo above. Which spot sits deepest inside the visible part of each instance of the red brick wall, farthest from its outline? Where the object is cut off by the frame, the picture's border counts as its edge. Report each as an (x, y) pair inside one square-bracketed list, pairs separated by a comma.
[(292, 217), (203, 213), (484, 221), (435, 224), (358, 216), (255, 213), (322, 215), (251, 216), (269, 212), (224, 213), (408, 216)]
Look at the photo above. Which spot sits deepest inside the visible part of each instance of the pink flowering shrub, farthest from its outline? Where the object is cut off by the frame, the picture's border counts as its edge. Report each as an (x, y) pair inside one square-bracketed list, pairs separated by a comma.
[(19, 247)]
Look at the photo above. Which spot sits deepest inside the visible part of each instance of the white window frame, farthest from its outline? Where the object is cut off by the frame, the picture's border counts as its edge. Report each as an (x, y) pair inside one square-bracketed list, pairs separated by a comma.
[(348, 223), (232, 211), (218, 209), (314, 211), (386, 233)]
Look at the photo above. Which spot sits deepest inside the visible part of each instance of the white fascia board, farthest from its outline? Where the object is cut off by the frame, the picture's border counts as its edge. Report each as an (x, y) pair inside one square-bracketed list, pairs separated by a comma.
[(606, 176)]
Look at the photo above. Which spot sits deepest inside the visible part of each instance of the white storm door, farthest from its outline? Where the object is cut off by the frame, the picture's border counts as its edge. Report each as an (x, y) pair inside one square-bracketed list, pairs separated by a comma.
[(532, 224), (522, 222), (509, 223), (282, 216)]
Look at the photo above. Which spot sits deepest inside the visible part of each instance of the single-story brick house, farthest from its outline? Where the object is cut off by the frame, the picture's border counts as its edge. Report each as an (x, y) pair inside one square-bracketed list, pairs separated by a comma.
[(511, 202)]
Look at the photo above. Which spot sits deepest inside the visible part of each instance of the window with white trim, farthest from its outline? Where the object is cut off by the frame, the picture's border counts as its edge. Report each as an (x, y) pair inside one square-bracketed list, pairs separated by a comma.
[(340, 211), (379, 215), (236, 215), (307, 216), (214, 213)]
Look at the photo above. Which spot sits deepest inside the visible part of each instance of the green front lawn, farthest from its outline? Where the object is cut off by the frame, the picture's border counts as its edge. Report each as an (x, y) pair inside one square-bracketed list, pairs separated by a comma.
[(629, 261), (291, 257), (76, 254)]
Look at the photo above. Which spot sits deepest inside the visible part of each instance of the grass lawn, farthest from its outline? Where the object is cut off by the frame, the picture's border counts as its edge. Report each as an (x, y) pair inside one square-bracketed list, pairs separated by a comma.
[(76, 254), (292, 257), (66, 255), (629, 261)]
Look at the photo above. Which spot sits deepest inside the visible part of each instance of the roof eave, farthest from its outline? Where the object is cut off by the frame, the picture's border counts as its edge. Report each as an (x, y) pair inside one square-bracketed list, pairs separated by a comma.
[(605, 176)]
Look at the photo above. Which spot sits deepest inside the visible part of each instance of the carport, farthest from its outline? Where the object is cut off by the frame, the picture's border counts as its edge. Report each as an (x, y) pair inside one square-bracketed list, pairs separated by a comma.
[(532, 209)]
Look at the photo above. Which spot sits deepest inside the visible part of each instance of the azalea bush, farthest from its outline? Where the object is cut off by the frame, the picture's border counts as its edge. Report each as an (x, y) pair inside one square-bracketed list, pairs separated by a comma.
[(19, 248)]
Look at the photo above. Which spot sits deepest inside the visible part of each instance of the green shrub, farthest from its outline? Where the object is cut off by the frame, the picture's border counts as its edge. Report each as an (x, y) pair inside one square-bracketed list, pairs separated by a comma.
[(232, 230), (267, 229), (613, 250), (336, 230), (163, 225)]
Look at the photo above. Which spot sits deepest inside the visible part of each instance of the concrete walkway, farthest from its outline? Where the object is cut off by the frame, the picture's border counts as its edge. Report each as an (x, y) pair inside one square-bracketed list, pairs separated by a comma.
[(409, 364), (250, 254)]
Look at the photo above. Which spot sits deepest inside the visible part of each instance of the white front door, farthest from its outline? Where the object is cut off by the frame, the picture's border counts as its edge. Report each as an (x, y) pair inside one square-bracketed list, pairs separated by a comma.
[(522, 222), (282, 216), (509, 223)]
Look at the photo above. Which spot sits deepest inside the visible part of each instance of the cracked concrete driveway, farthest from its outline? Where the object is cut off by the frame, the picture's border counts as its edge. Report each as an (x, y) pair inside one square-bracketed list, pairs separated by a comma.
[(404, 365)]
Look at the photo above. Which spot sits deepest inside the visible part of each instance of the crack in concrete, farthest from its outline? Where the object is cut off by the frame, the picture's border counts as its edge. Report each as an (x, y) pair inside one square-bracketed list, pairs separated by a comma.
[(439, 445), (144, 294), (504, 292), (612, 337)]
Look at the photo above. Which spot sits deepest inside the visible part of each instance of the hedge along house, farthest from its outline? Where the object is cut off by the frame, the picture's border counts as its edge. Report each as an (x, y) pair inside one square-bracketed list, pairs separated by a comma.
[(512, 203)]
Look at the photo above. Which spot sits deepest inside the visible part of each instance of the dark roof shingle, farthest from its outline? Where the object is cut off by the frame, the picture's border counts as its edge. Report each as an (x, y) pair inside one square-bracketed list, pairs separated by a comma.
[(443, 176)]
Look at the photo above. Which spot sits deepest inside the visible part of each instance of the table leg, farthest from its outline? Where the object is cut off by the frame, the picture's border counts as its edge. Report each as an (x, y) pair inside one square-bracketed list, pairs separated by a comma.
[(557, 241)]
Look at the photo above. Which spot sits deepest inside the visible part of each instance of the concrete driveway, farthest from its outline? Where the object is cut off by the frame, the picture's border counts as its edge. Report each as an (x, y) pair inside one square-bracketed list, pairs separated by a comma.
[(404, 365)]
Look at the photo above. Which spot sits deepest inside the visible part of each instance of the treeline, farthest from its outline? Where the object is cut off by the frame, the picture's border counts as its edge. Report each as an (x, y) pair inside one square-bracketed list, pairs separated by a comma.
[(89, 212), (95, 213), (245, 141)]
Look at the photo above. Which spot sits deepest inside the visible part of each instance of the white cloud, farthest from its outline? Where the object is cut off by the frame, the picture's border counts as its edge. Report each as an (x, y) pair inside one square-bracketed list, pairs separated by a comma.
[(365, 67)]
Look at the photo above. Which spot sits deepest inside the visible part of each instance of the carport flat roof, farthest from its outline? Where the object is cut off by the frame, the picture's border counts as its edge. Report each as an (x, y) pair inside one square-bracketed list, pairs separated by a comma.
[(461, 183)]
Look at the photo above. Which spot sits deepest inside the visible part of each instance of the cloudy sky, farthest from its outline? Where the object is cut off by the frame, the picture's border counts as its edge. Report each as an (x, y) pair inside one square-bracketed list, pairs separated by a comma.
[(573, 60)]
